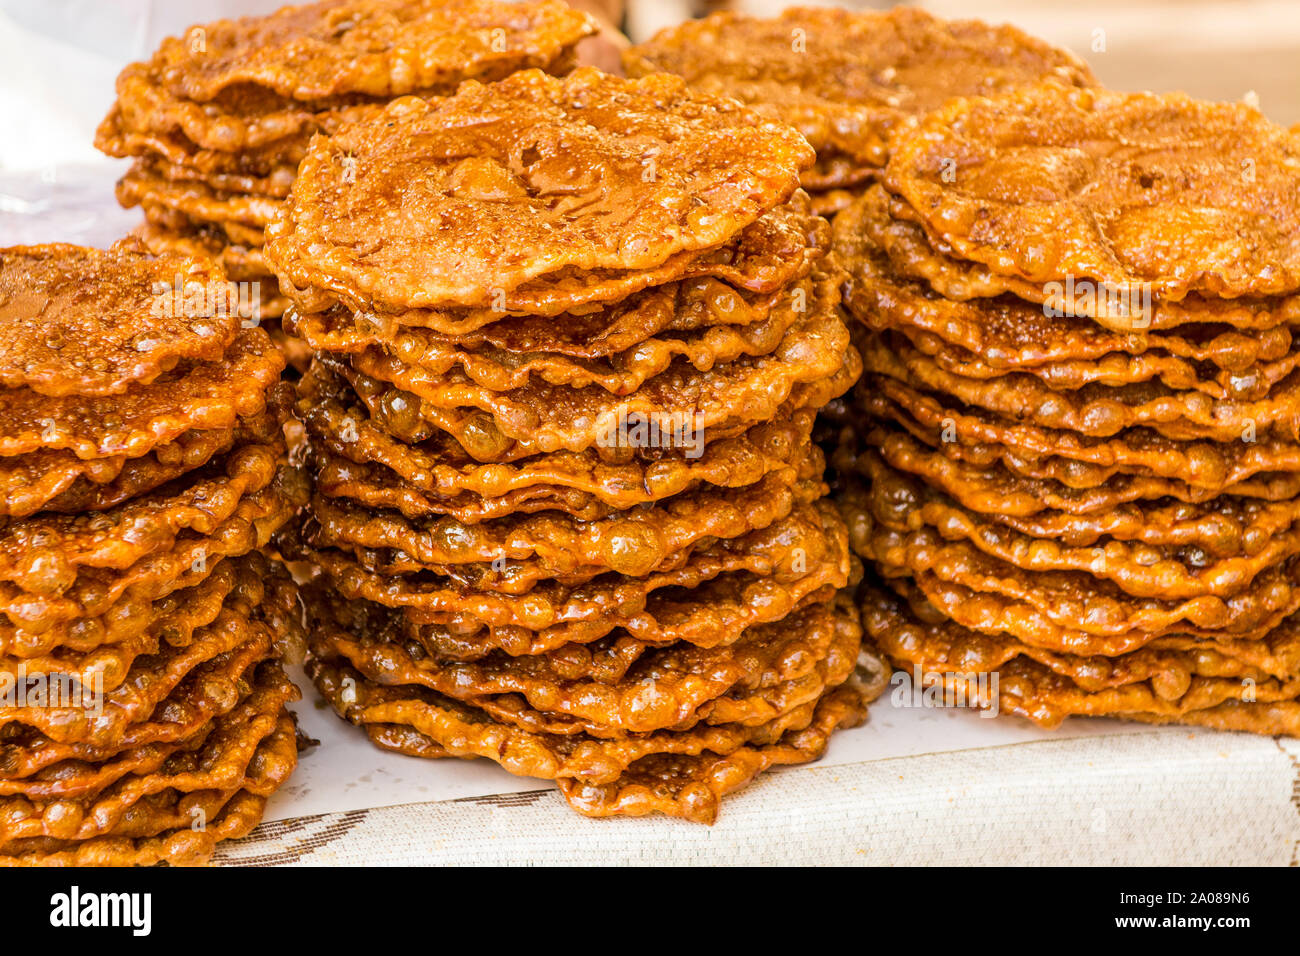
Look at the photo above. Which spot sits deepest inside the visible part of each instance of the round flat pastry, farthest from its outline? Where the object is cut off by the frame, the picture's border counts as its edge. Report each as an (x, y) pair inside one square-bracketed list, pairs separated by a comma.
[(1095, 410), (986, 337), (794, 557), (991, 612), (78, 321), (643, 425), (1016, 498), (848, 79), (1210, 467), (240, 118), (113, 785), (1031, 689), (275, 184), (61, 483), (768, 672), (1135, 192), (381, 48), (189, 560), (1168, 664), (762, 260), (150, 818), (1140, 569), (1080, 605), (744, 331), (634, 542), (358, 459), (208, 395), (882, 219), (684, 398), (195, 199), (554, 178), (44, 554), (1223, 527)]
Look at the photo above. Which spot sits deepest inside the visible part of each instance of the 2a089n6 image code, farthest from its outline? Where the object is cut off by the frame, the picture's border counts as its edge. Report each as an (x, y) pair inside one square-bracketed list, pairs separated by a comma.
[(1203, 910)]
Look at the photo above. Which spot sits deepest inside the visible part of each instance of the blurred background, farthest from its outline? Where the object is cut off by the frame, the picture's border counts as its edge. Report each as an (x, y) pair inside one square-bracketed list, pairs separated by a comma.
[(59, 58)]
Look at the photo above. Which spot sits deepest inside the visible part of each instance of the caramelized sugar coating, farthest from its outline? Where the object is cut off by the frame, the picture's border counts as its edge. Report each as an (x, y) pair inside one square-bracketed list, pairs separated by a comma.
[(1209, 467), (848, 79), (500, 432), (592, 770), (589, 172), (1128, 190), (634, 688), (564, 416), (1166, 691), (1222, 527), (162, 826), (1096, 409), (802, 547), (44, 554), (360, 460), (204, 395), (96, 591), (633, 542), (983, 337), (886, 222), (688, 334), (763, 259), (1074, 611), (77, 321), (61, 483), (375, 47)]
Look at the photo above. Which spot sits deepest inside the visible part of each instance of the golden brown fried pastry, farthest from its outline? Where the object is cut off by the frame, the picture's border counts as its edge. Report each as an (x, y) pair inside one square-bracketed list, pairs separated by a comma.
[(1210, 467), (633, 542), (195, 396), (697, 170), (1096, 410), (1128, 190), (374, 47), (59, 482), (986, 337), (190, 559), (848, 79), (1078, 605), (877, 218), (89, 322), (1032, 689), (172, 825), (801, 552), (358, 459), (423, 722)]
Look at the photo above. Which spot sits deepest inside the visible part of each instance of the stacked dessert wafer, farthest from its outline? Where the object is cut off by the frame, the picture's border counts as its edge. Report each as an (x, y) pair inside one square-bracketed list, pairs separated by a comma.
[(142, 469), (219, 119), (570, 338), (1078, 425), (850, 79)]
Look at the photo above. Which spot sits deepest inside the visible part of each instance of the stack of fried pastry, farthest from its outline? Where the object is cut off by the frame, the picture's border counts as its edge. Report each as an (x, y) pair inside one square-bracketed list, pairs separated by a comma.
[(850, 79), (570, 337), (1077, 430), (142, 469), (219, 119)]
